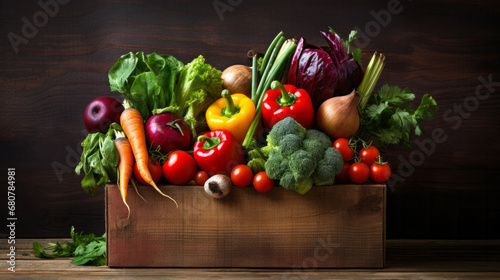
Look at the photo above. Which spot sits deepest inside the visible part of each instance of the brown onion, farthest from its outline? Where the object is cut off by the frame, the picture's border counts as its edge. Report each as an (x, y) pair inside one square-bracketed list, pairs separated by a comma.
[(238, 79), (338, 116)]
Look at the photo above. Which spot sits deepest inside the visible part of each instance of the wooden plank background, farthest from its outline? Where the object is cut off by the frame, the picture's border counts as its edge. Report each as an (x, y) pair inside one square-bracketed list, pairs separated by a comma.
[(444, 48)]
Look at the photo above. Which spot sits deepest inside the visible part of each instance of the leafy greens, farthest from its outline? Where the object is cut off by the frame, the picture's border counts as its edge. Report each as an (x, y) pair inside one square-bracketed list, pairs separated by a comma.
[(390, 119), (155, 83), (146, 82), (85, 249), (198, 85), (99, 159)]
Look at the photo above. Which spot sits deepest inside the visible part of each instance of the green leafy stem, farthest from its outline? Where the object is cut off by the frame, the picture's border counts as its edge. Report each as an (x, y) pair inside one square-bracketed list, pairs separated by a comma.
[(85, 249)]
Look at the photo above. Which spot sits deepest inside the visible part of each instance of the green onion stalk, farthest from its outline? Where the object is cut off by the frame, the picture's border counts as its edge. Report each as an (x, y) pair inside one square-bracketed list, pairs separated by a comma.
[(275, 62), (255, 75)]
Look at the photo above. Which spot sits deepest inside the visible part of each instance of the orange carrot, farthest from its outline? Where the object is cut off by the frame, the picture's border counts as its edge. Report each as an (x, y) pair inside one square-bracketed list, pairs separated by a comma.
[(133, 126), (125, 167), (134, 183)]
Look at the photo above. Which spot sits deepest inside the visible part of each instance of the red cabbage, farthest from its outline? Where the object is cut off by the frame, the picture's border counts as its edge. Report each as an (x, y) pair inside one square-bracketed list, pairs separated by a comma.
[(337, 50), (324, 72), (350, 76)]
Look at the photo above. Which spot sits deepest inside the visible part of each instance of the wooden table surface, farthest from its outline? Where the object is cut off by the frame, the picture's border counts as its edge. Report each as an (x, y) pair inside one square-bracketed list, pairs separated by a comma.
[(406, 259)]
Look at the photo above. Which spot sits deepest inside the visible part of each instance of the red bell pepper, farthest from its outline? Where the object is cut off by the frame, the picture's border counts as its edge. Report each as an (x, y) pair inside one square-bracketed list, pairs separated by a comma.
[(287, 101), (218, 152)]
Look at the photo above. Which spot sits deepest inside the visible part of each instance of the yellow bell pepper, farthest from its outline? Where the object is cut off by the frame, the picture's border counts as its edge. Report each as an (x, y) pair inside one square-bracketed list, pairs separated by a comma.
[(233, 113)]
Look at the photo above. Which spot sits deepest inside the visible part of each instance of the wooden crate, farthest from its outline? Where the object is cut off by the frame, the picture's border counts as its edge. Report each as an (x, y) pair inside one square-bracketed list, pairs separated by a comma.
[(340, 226)]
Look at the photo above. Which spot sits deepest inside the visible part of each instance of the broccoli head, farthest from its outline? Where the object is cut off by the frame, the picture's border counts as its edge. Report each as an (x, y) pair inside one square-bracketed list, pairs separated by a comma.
[(289, 144), (328, 167), (318, 135), (284, 127), (287, 180), (300, 158), (265, 150), (275, 165), (316, 143), (302, 164), (304, 186)]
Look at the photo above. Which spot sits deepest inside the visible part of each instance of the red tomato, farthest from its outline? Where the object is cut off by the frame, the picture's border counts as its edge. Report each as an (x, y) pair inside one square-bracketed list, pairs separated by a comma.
[(369, 155), (342, 145), (343, 177), (262, 183), (154, 169), (359, 172), (180, 167), (241, 175), (200, 178), (380, 173)]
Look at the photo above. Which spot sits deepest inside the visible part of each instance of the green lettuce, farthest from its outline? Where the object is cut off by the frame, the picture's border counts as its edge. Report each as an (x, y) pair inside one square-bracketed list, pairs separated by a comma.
[(198, 86), (146, 82)]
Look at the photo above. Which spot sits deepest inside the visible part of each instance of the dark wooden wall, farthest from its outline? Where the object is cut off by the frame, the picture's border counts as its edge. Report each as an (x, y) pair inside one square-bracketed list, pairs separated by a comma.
[(444, 48)]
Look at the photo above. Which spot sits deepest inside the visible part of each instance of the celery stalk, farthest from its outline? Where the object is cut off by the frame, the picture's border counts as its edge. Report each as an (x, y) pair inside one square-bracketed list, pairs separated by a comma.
[(370, 79)]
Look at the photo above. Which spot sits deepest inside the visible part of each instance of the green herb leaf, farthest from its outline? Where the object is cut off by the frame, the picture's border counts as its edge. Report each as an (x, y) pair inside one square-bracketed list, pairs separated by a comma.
[(427, 108), (374, 111), (403, 120), (356, 54), (394, 95), (352, 36), (418, 130), (39, 252), (347, 43), (390, 119), (389, 136), (85, 249)]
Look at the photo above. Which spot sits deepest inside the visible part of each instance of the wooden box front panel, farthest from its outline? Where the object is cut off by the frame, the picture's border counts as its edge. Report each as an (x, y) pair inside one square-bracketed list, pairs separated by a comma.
[(330, 226)]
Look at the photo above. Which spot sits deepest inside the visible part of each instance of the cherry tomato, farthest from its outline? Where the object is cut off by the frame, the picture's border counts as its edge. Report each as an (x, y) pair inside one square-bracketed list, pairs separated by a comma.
[(200, 178), (241, 175), (380, 173), (359, 172), (342, 145), (154, 169), (179, 168), (369, 155), (343, 177), (262, 183)]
